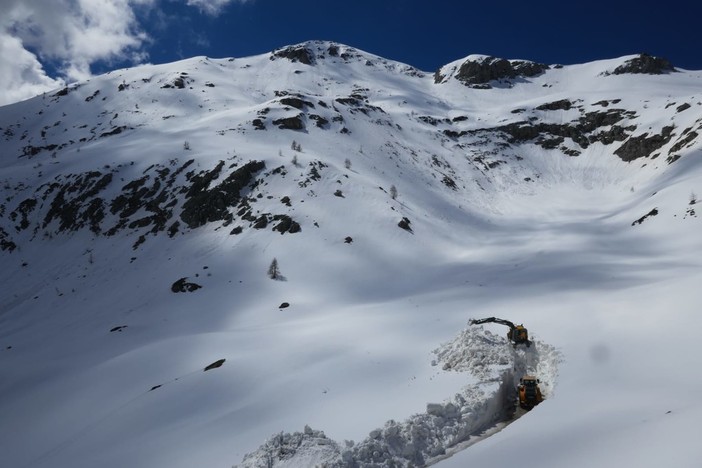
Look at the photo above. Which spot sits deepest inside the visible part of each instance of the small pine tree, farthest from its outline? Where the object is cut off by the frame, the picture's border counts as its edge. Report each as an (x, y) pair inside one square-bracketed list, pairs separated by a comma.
[(294, 160), (186, 145), (347, 163), (693, 198), (393, 192), (273, 270)]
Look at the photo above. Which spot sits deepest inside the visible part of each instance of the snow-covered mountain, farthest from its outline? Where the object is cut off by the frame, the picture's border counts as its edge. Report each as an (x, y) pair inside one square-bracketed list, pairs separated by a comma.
[(142, 210)]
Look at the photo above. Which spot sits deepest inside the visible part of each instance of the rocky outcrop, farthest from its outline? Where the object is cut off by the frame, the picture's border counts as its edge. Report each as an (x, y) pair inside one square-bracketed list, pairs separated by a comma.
[(182, 285), (297, 53), (582, 131), (291, 123), (205, 205), (643, 145), (645, 64), (480, 72)]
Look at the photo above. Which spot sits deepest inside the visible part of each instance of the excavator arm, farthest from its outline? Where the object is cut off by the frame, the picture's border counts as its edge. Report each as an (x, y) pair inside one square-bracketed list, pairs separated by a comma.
[(495, 320), (517, 334)]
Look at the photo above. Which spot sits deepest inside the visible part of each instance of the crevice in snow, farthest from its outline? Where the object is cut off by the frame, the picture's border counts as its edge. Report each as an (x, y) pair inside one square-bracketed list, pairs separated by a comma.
[(478, 411)]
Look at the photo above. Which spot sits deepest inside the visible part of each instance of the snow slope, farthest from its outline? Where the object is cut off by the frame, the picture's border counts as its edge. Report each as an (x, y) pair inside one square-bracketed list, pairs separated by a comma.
[(564, 200)]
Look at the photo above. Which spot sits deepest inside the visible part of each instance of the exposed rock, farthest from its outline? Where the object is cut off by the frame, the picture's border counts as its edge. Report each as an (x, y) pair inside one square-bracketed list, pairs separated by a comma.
[(291, 123), (286, 224), (645, 64), (296, 102), (74, 206), (653, 212), (563, 104), (298, 53), (182, 285), (405, 224), (6, 243), (215, 365), (114, 131), (485, 70), (320, 121), (685, 139), (205, 205), (643, 145), (551, 135)]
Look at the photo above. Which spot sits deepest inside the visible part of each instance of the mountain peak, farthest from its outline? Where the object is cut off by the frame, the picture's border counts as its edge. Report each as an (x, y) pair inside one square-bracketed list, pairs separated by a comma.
[(477, 71), (644, 64), (311, 52)]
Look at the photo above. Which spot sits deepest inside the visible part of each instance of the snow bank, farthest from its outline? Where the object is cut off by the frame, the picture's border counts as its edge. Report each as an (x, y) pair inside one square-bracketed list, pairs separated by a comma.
[(425, 438)]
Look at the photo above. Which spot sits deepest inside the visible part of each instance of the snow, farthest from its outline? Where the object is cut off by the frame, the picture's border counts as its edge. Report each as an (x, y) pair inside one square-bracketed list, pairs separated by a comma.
[(371, 324)]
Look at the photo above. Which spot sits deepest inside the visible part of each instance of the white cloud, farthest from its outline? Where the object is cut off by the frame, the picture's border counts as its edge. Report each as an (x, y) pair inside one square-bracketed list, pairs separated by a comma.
[(71, 35), (212, 7), (21, 74)]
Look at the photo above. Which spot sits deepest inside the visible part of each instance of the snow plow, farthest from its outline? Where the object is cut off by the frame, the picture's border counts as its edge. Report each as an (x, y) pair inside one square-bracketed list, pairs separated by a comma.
[(517, 334), (529, 392)]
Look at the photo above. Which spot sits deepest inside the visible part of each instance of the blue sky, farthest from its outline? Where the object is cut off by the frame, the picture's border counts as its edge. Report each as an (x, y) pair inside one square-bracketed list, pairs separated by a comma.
[(428, 34), (46, 44)]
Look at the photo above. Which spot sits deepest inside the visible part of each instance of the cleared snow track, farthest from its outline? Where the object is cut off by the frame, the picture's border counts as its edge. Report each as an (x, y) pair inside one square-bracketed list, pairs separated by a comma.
[(478, 411)]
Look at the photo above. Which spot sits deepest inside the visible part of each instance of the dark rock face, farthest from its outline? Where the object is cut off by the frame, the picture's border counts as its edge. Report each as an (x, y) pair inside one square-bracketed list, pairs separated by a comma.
[(643, 145), (182, 285), (286, 224), (687, 138), (296, 102), (163, 199), (179, 82), (645, 64), (5, 243), (484, 71), (70, 205), (563, 104), (215, 365), (582, 131), (290, 123), (653, 212), (320, 121), (205, 204), (294, 54), (405, 224)]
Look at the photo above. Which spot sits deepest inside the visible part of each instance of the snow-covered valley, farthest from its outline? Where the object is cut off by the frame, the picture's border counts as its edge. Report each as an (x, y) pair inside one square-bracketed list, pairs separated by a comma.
[(142, 210)]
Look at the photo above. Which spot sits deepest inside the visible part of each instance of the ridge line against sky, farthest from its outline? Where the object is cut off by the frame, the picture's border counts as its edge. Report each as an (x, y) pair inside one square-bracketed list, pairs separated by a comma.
[(44, 45)]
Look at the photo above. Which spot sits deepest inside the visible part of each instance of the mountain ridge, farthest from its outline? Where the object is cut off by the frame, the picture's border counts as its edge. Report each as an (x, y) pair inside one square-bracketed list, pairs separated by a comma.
[(305, 111)]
